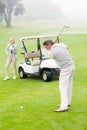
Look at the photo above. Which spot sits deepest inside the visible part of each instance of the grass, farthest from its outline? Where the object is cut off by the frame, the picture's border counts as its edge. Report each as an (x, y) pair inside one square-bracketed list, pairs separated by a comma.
[(29, 104)]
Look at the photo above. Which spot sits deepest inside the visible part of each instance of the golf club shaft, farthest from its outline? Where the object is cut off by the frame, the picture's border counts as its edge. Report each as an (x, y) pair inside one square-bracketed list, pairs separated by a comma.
[(65, 26)]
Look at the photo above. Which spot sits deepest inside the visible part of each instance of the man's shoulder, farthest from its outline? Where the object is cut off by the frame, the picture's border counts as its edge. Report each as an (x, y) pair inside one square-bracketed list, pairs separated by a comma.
[(59, 44), (63, 45)]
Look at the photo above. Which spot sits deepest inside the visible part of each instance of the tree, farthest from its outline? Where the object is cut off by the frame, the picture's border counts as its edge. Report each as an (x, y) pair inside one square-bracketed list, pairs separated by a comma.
[(9, 8)]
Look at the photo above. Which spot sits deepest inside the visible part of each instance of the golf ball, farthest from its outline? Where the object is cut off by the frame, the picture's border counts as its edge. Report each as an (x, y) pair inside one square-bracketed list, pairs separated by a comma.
[(21, 107)]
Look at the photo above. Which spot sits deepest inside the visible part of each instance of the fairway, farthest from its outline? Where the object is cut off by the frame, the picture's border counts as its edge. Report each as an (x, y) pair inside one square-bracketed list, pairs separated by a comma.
[(29, 104)]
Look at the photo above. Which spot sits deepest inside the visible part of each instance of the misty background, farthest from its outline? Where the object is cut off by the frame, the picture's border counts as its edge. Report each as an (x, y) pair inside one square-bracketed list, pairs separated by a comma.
[(64, 11), (46, 15)]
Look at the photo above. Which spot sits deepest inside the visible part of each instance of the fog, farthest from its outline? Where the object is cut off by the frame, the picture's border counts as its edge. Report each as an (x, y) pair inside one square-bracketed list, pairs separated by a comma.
[(73, 11), (37, 10)]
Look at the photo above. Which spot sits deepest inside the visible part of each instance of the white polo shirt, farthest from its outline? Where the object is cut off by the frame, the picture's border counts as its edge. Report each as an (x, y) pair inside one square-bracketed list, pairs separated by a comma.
[(61, 55)]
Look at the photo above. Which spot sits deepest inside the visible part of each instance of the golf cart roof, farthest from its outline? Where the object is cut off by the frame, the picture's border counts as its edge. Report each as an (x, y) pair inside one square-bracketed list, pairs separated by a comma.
[(38, 36)]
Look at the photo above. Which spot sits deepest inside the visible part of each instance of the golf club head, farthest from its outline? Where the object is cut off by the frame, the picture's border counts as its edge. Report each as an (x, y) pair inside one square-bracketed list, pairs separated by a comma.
[(66, 26)]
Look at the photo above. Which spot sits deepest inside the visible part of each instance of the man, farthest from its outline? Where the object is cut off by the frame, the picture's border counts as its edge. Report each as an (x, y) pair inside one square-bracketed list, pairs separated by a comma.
[(62, 57), (11, 57)]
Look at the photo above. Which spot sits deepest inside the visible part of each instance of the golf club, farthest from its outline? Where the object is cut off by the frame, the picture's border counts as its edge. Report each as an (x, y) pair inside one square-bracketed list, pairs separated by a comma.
[(65, 26)]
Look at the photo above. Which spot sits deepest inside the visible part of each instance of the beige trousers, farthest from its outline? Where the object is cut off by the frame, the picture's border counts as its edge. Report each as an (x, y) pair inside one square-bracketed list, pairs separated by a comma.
[(9, 60), (65, 86)]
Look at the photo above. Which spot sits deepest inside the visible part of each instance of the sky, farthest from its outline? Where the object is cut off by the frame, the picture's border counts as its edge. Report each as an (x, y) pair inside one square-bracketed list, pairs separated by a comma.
[(73, 9)]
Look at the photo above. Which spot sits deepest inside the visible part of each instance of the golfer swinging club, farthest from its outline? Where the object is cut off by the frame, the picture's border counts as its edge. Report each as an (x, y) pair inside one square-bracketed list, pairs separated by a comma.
[(60, 54)]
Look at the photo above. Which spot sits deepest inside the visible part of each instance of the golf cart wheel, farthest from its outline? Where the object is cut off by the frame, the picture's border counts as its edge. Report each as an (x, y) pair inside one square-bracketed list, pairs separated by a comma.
[(47, 76), (22, 75)]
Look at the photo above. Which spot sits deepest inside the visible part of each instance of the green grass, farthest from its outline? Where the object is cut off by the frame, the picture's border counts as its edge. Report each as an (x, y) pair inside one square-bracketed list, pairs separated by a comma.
[(38, 98)]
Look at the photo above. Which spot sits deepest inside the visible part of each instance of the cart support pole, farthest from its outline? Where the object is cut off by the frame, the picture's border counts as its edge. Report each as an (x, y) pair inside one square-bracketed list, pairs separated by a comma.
[(39, 48)]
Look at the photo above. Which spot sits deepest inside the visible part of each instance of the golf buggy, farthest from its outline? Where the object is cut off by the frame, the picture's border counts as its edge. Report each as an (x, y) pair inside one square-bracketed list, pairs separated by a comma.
[(37, 61)]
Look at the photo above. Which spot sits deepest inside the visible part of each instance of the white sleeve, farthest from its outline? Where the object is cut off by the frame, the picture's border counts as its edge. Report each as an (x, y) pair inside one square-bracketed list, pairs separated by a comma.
[(7, 50)]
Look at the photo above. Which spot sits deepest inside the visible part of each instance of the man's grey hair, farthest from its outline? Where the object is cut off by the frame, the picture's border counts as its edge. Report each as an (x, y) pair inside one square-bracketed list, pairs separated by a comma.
[(47, 42)]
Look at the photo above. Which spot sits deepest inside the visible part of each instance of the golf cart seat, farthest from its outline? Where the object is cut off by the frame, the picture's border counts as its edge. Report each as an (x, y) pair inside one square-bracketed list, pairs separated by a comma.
[(35, 62), (33, 55)]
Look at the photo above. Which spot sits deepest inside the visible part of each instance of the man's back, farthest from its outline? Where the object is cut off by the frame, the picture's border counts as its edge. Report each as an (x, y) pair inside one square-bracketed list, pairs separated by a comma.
[(61, 55)]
